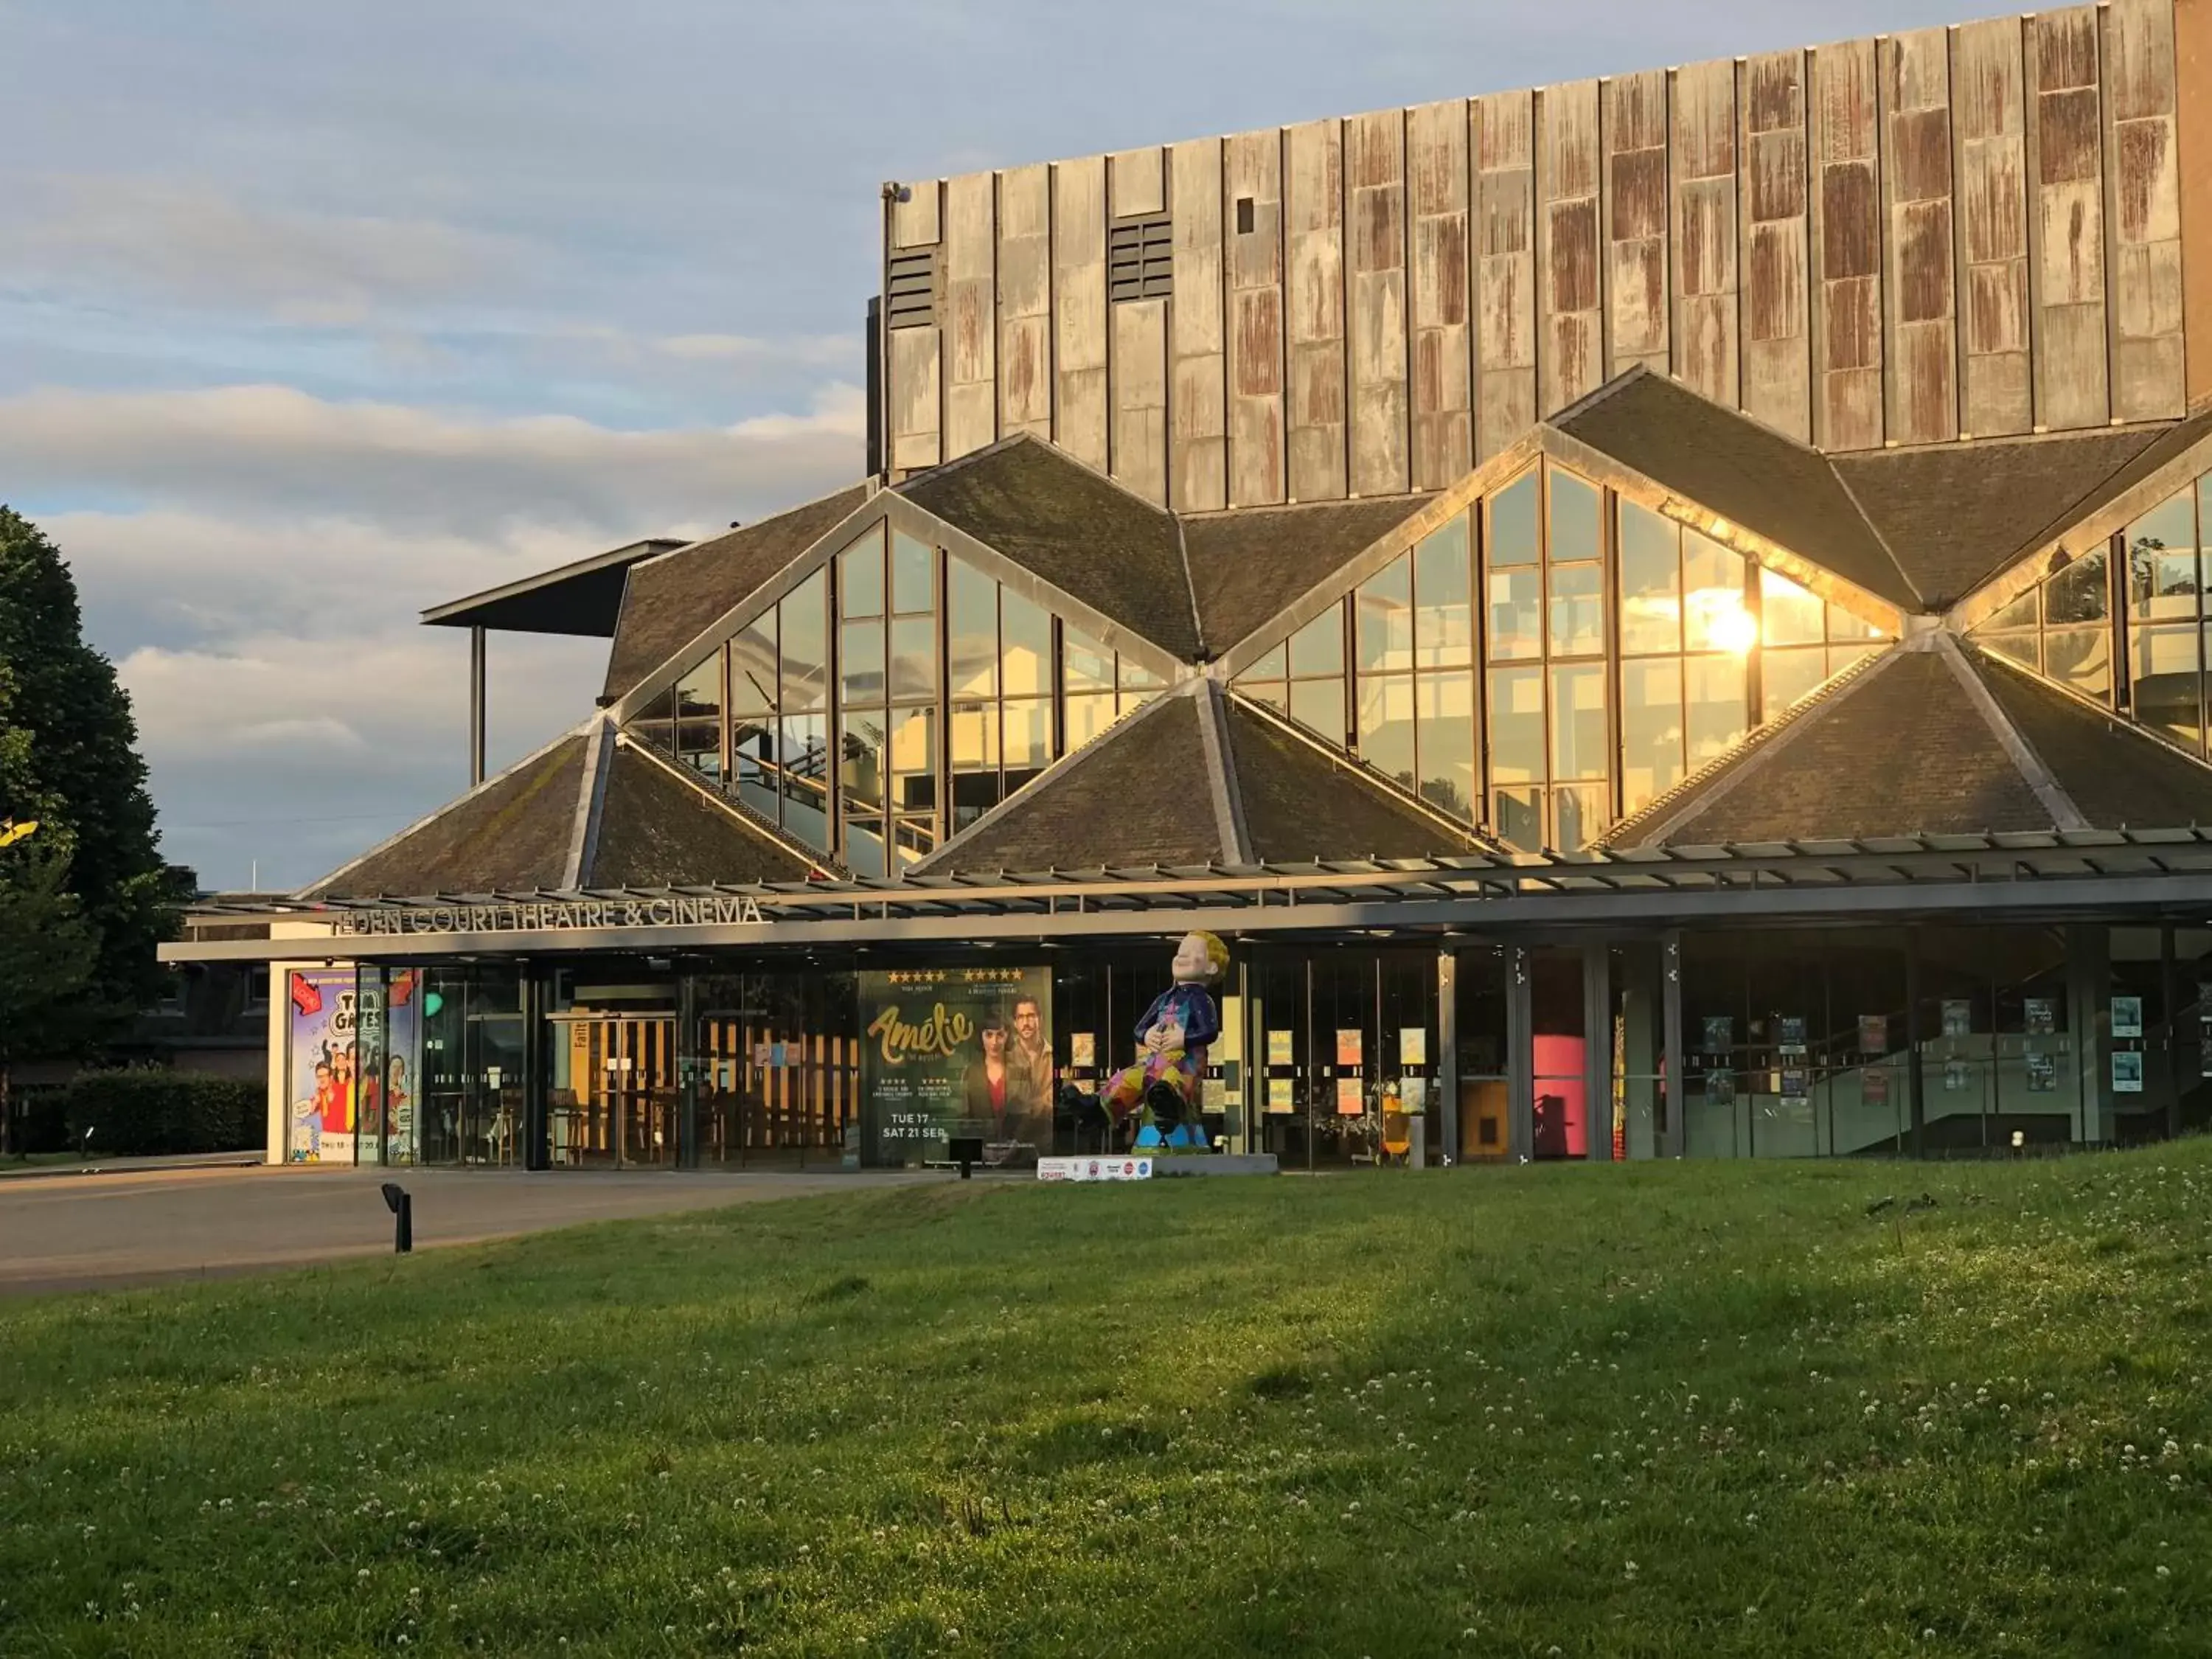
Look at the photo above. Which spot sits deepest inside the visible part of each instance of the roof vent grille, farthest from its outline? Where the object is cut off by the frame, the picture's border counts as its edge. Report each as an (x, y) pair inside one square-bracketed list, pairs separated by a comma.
[(1140, 258), (911, 289)]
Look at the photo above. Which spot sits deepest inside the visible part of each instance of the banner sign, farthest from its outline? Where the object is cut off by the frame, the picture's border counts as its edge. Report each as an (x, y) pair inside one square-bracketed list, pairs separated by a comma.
[(1094, 1169), (964, 1051), (349, 1069), (549, 916)]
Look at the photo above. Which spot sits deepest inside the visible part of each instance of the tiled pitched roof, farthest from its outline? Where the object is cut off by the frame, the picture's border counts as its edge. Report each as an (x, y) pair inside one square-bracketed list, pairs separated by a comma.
[(1899, 748), (1955, 515), (1135, 796), (1074, 528), (2116, 775), (1247, 563), (658, 829), (513, 833), (1747, 473), (671, 599), (1304, 801)]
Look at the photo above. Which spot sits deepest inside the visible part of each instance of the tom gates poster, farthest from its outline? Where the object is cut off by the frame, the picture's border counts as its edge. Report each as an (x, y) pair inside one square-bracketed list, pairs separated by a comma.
[(349, 1069), (955, 1051)]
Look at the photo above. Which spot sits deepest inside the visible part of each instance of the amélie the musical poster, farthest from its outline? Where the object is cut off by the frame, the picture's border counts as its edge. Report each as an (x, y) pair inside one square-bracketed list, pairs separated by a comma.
[(952, 1051)]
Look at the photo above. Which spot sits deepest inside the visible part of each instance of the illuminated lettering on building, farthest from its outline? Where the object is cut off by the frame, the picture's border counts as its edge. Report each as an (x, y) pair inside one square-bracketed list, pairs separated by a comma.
[(551, 916)]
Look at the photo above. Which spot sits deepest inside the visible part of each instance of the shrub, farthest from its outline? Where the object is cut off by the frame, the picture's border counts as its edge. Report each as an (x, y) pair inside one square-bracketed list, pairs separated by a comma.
[(144, 1111)]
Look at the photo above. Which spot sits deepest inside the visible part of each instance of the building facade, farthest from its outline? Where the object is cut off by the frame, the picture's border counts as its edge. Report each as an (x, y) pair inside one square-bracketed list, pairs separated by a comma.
[(1661, 617)]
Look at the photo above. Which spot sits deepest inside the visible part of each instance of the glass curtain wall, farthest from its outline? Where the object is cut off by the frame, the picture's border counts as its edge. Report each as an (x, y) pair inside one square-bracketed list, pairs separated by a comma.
[(1605, 667), (2124, 625), (939, 691)]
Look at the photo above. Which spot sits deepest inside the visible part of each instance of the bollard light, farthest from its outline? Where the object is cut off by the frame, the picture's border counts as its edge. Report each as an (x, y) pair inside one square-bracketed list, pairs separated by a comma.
[(397, 1199)]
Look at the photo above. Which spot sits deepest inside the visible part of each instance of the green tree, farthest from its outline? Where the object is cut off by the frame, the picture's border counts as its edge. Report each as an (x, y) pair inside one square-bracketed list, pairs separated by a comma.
[(68, 757)]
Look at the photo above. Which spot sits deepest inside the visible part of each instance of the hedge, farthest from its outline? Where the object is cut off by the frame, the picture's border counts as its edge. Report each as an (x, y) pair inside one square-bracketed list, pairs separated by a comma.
[(144, 1111)]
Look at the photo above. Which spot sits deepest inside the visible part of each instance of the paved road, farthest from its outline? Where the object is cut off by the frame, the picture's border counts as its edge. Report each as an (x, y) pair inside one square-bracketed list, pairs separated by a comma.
[(136, 1227)]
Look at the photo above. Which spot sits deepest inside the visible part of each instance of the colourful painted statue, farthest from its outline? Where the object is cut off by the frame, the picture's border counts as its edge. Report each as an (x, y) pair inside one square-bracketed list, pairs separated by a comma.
[(1166, 1085)]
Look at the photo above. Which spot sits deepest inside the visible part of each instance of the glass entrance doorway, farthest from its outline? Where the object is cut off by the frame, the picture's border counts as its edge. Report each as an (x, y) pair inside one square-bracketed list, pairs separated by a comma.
[(614, 1099)]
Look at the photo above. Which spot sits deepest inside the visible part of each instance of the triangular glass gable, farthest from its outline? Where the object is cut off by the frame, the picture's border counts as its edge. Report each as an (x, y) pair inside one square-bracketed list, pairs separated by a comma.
[(2123, 622), (939, 690), (1615, 650)]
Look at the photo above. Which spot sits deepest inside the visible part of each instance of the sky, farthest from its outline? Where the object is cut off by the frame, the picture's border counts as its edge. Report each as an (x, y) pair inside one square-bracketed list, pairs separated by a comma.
[(314, 315)]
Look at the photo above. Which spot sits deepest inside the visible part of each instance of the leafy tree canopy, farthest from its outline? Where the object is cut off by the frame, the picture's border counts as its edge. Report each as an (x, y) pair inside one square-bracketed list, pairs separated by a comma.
[(91, 877)]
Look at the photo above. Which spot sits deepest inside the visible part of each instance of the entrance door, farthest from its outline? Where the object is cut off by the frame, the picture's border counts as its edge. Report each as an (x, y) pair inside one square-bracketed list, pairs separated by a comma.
[(614, 1099)]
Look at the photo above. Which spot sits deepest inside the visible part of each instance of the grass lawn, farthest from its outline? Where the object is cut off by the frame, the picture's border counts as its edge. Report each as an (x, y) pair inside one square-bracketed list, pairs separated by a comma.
[(1682, 1409), (23, 1162)]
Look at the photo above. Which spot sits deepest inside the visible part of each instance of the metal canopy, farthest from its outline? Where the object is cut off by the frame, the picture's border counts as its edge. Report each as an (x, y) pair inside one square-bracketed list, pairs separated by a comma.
[(1601, 880), (583, 598)]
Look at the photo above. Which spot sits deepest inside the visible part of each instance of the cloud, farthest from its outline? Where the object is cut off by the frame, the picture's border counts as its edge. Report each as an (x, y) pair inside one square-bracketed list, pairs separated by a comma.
[(189, 243), (273, 451)]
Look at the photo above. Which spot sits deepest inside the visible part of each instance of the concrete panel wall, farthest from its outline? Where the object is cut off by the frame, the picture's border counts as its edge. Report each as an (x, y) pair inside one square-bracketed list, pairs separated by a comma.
[(1964, 231), (971, 334), (1504, 146), (1438, 182), (1313, 208), (1137, 361), (1777, 220), (2143, 186), (1990, 147), (1253, 165), (1846, 201), (1198, 359), (1025, 301), (1638, 310), (1375, 302), (2065, 143), (1079, 308), (1703, 135), (1921, 312), (1570, 351)]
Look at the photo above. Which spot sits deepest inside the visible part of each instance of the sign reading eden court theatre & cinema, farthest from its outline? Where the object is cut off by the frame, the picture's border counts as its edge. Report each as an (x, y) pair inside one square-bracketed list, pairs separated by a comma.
[(551, 916), (947, 1051)]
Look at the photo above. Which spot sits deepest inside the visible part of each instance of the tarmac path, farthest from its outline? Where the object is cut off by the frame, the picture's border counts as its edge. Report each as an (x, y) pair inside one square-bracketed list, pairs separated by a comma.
[(139, 1226)]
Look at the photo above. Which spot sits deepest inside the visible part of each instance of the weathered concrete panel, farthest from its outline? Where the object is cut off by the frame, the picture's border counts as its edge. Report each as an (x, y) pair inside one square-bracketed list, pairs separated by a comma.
[(1846, 203), (1140, 397), (1636, 320), (1198, 393), (1313, 209), (914, 221), (1025, 301), (1990, 134), (1253, 190), (2142, 158), (1921, 345), (971, 334), (2192, 41), (1443, 294), (915, 420), (2066, 229), (1777, 318), (1503, 137), (1571, 358), (1375, 302), (1137, 338), (1703, 125), (1079, 241)]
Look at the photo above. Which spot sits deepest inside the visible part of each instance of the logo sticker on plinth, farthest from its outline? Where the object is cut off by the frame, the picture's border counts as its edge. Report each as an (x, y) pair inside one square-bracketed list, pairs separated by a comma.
[(1094, 1169)]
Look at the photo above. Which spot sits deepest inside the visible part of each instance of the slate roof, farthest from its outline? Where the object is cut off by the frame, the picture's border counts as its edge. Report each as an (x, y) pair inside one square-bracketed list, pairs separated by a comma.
[(1956, 514), (1746, 472), (1134, 796), (669, 600), (2118, 776), (1140, 795), (1304, 801), (1076, 529), (660, 830), (1904, 745), (513, 832), (1246, 564)]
